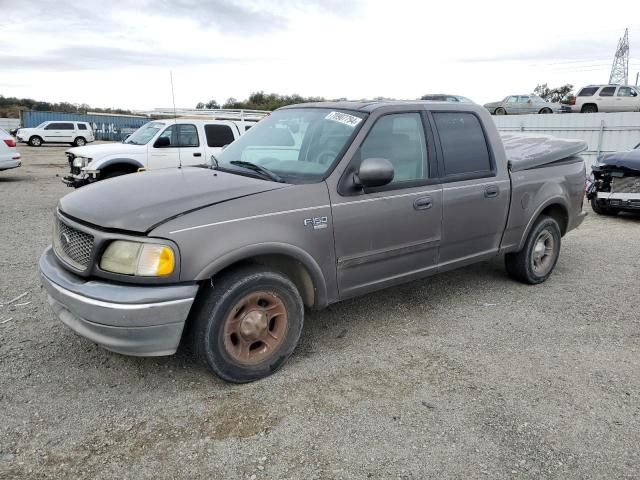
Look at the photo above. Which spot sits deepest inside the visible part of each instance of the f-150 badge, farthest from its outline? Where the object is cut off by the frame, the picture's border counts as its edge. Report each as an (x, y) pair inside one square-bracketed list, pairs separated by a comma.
[(316, 222)]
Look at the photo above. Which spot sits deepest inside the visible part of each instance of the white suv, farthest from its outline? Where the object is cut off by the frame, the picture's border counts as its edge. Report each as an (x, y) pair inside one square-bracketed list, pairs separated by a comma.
[(74, 133), (607, 98)]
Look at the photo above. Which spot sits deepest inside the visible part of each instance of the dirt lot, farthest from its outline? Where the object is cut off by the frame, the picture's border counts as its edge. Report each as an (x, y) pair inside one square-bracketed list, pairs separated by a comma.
[(465, 375)]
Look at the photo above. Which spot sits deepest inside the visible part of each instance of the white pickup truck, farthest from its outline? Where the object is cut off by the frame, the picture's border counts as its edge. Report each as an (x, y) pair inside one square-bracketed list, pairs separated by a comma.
[(157, 144)]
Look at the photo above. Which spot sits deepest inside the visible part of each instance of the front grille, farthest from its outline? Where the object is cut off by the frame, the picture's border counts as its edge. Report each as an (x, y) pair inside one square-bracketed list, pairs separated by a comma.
[(73, 246)]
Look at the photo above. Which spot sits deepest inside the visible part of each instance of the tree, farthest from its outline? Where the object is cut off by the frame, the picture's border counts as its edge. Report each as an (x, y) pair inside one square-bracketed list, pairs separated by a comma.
[(555, 95), (212, 104), (200, 106)]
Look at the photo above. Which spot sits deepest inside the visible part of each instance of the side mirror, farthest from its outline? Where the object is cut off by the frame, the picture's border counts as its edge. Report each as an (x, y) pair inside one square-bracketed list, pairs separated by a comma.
[(374, 172), (162, 142)]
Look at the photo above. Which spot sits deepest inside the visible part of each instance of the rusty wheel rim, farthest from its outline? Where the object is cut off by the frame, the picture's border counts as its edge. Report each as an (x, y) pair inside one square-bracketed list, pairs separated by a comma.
[(256, 327)]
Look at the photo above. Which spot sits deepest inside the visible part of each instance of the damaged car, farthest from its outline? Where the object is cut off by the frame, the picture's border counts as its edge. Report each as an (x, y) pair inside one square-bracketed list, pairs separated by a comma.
[(615, 186)]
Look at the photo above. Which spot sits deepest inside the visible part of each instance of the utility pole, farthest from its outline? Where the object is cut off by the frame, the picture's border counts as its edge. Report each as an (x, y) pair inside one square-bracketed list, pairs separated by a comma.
[(637, 78), (620, 66)]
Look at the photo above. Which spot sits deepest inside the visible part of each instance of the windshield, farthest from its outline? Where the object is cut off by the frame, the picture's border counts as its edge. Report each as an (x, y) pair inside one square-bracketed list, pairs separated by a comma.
[(144, 133), (42, 125), (296, 144)]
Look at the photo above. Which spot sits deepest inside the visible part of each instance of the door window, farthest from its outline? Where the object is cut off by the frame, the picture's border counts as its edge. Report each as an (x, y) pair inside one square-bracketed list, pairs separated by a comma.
[(400, 139), (464, 145), (218, 135), (187, 136), (54, 126), (627, 92), (607, 91), (523, 99), (512, 99), (168, 133)]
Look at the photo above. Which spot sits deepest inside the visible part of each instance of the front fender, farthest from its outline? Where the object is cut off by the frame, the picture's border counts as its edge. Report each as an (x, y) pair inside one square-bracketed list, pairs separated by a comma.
[(270, 248), (102, 163)]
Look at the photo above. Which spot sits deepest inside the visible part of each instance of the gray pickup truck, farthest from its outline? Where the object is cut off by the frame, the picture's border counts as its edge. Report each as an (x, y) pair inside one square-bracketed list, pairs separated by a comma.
[(315, 204)]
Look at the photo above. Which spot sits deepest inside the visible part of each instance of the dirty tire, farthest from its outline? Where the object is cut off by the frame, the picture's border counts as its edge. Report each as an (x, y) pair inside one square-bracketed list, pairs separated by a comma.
[(589, 109), (79, 142), (223, 305), (500, 111), (35, 141), (603, 209), (520, 265)]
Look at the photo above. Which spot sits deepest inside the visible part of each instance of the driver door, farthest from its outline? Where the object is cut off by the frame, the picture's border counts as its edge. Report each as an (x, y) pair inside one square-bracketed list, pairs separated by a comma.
[(165, 156), (390, 234)]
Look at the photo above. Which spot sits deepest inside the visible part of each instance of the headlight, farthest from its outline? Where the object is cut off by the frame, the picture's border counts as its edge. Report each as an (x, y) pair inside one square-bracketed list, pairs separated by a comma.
[(80, 161), (143, 259)]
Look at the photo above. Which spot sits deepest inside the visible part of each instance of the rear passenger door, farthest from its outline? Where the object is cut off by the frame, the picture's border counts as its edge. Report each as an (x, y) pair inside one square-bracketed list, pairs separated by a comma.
[(389, 234), (475, 195), (606, 99)]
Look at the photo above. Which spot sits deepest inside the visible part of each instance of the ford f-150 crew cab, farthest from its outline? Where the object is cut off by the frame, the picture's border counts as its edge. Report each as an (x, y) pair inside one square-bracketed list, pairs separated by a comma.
[(155, 145), (315, 204)]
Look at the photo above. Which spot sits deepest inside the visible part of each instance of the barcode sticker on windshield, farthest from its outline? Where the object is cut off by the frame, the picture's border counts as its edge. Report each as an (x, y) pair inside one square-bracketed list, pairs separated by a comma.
[(344, 118)]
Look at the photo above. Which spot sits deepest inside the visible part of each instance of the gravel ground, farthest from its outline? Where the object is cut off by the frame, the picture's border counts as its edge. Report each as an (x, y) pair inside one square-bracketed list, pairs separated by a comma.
[(464, 375)]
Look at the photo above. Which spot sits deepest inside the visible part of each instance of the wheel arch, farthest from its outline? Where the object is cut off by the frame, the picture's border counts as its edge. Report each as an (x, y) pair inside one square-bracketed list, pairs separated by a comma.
[(117, 163), (300, 267), (555, 208)]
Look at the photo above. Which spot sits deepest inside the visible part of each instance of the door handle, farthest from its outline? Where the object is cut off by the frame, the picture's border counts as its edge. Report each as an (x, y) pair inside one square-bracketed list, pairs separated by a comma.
[(197, 154), (423, 203), (491, 191)]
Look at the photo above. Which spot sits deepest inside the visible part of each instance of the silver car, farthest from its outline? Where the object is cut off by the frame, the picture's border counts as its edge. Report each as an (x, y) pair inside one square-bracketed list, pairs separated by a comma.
[(523, 104)]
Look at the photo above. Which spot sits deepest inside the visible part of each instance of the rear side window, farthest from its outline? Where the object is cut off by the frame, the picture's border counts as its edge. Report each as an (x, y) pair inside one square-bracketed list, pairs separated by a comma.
[(82, 126), (464, 145), (218, 135), (587, 91), (607, 91)]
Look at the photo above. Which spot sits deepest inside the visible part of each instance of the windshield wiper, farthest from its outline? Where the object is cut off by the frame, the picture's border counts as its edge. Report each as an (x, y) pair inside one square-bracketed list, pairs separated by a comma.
[(257, 168)]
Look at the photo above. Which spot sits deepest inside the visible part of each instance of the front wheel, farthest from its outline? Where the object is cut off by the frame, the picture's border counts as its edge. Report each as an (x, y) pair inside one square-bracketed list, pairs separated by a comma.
[(247, 323), (545, 110), (500, 111), (536, 261)]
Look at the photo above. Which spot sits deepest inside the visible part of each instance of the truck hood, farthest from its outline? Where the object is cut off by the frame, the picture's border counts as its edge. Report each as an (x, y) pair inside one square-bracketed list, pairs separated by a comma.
[(96, 151), (141, 201)]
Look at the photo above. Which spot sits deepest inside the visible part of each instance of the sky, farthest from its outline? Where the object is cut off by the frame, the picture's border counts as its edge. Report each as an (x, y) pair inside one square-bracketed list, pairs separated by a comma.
[(119, 53)]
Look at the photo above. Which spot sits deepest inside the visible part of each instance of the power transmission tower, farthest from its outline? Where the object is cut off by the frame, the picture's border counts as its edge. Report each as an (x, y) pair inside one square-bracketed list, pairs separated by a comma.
[(620, 67)]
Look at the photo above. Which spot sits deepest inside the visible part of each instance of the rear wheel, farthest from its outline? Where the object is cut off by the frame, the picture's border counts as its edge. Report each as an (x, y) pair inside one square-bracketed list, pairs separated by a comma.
[(589, 108), (601, 209), (247, 324), (536, 261), (500, 111), (79, 142), (546, 110), (35, 141)]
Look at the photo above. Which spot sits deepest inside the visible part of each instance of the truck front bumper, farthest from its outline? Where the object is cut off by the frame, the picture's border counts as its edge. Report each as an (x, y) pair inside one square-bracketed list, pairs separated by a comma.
[(127, 319)]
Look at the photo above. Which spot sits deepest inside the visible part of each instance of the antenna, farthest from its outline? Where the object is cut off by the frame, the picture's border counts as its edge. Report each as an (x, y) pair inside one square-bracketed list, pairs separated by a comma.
[(175, 116)]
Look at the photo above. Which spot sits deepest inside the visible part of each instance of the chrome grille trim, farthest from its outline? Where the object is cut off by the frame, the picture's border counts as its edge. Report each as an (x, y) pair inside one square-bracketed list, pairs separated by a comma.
[(72, 245)]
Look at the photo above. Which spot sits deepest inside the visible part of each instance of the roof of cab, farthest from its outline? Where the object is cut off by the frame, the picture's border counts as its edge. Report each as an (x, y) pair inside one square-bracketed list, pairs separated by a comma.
[(373, 105)]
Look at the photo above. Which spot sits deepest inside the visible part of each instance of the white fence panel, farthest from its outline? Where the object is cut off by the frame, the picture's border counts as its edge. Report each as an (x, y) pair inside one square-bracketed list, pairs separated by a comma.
[(9, 123), (603, 132)]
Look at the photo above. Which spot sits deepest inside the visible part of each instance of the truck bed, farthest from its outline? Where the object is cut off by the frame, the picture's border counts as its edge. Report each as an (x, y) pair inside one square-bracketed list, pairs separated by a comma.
[(530, 151)]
